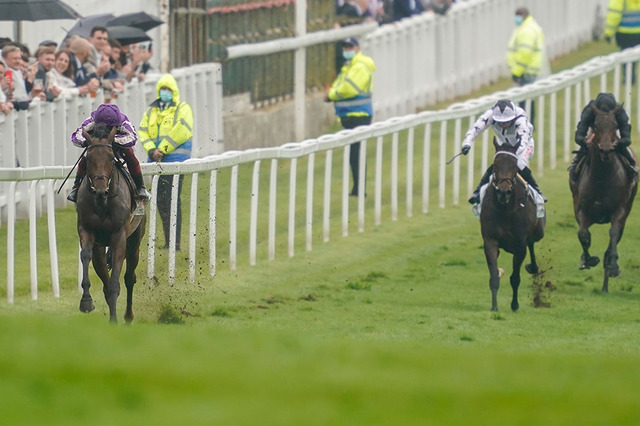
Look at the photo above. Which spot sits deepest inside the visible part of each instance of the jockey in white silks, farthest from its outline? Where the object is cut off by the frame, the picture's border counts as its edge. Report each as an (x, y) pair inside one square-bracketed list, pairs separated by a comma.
[(511, 125)]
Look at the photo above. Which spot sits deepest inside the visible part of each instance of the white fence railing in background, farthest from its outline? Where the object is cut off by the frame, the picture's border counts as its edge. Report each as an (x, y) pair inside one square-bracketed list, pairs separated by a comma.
[(559, 100), (40, 136)]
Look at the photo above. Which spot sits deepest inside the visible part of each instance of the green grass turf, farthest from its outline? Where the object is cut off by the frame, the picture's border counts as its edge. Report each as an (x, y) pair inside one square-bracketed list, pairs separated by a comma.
[(391, 326)]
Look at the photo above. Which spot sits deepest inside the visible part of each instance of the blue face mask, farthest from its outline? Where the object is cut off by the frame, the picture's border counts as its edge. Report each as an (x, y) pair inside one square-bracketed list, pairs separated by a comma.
[(166, 95), (518, 19), (348, 54)]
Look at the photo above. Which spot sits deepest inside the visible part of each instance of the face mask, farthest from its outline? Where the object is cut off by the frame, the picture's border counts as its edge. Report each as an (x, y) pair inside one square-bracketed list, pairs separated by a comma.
[(518, 19), (166, 95), (348, 54)]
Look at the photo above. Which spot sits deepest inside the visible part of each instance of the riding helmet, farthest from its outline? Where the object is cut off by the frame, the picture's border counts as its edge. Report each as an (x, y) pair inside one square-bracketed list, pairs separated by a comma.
[(503, 111)]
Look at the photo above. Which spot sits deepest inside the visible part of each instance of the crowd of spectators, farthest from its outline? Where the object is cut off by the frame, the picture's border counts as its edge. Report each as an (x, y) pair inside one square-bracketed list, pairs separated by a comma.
[(386, 11), (78, 67)]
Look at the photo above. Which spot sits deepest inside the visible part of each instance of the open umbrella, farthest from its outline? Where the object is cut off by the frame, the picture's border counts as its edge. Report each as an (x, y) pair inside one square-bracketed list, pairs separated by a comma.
[(141, 20), (35, 10), (128, 35), (84, 25)]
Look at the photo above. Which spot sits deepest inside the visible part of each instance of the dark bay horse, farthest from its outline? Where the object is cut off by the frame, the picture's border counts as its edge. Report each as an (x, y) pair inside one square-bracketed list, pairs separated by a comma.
[(508, 221), (603, 193), (105, 219)]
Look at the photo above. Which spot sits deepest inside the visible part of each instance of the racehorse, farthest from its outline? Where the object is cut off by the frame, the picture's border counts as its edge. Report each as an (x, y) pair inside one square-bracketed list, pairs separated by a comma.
[(603, 193), (105, 219), (508, 221)]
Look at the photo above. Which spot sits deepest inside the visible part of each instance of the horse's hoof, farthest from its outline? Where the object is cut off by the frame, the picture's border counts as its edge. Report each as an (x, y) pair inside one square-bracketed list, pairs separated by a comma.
[(593, 261), (613, 272), (86, 305), (532, 269)]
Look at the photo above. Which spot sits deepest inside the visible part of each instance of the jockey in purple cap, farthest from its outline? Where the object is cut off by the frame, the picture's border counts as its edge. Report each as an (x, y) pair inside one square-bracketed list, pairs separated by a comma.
[(125, 138)]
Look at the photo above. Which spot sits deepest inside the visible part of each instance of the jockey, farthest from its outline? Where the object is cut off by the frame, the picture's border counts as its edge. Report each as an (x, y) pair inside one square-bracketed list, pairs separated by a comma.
[(605, 102), (125, 138), (511, 125)]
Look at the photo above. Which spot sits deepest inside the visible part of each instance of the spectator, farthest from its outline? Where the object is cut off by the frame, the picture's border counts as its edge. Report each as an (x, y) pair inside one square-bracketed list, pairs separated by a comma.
[(145, 52), (37, 82), (349, 13), (123, 142), (437, 6), (113, 81), (99, 39), (406, 8), (80, 49), (351, 93), (5, 105), (48, 43), (525, 51), (622, 21), (18, 95), (511, 126), (165, 132), (60, 77), (605, 102)]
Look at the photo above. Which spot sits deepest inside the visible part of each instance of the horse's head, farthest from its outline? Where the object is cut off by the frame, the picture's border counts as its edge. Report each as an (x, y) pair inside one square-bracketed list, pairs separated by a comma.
[(505, 170), (100, 161), (605, 137)]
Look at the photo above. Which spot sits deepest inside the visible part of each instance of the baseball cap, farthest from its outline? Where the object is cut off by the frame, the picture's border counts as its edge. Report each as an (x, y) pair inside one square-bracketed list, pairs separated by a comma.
[(109, 115), (351, 41)]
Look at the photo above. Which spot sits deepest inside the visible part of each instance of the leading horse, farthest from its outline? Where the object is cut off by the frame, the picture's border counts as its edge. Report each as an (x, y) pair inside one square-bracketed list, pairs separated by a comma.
[(603, 193), (105, 219), (508, 221)]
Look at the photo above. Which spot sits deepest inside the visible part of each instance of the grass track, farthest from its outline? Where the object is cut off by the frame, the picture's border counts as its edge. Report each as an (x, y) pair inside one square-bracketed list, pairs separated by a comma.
[(387, 327)]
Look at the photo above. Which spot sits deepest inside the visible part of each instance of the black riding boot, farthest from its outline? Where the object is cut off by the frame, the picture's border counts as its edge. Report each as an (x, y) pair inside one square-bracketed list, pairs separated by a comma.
[(475, 197), (73, 195), (624, 150), (580, 154), (528, 176), (143, 194)]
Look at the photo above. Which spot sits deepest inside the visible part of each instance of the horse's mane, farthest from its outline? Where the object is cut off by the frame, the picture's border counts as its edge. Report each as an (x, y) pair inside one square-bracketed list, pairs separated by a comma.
[(100, 131)]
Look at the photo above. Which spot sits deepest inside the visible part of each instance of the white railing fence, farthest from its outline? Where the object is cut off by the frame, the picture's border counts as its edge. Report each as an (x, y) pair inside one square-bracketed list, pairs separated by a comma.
[(40, 136), (227, 221)]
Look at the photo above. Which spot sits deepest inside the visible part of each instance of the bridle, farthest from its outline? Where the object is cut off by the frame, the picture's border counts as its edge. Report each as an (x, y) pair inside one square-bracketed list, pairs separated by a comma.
[(102, 176), (512, 181)]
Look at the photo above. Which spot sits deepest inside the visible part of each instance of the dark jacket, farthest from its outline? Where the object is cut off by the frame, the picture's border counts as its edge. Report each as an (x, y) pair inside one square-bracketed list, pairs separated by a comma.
[(605, 102)]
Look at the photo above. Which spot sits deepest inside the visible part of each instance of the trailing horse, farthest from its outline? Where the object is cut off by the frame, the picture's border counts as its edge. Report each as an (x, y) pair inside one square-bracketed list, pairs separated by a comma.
[(603, 193), (508, 221), (105, 219)]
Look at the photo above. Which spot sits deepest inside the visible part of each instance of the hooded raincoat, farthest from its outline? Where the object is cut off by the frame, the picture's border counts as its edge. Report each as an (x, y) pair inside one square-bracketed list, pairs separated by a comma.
[(168, 127)]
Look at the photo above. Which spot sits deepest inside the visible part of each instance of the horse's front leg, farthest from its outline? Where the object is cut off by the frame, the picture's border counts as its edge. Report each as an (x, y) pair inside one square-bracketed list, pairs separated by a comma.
[(87, 241), (491, 252), (112, 289), (132, 256), (532, 267), (518, 258), (586, 260)]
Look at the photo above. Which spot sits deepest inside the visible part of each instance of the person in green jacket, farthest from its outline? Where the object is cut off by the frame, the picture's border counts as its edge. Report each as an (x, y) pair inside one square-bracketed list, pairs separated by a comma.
[(623, 22), (351, 94), (525, 52)]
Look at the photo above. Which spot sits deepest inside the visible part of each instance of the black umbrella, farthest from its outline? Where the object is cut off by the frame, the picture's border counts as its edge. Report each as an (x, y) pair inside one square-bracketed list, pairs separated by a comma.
[(35, 10), (128, 35), (141, 20), (84, 25)]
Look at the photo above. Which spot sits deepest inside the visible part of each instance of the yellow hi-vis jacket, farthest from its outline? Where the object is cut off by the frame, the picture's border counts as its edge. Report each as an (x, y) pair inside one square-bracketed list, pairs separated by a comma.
[(169, 129), (623, 17), (525, 49)]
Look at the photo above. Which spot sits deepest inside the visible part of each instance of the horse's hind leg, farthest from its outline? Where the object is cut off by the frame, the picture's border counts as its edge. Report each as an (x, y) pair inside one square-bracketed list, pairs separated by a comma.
[(532, 267), (133, 256), (518, 258)]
